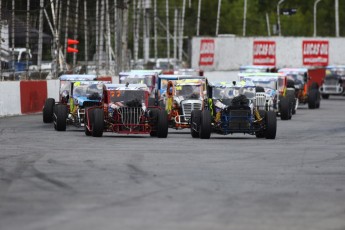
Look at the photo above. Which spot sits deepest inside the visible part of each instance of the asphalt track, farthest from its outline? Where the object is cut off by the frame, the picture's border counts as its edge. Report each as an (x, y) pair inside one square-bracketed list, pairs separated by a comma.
[(66, 180)]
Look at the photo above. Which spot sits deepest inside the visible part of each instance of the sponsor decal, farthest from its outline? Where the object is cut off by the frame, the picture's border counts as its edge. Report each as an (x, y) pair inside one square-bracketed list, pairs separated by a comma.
[(207, 49), (264, 53), (315, 53)]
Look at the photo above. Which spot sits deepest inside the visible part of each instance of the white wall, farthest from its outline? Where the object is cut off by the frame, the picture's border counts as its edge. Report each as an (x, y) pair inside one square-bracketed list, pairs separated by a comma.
[(232, 52), (10, 98), (53, 87)]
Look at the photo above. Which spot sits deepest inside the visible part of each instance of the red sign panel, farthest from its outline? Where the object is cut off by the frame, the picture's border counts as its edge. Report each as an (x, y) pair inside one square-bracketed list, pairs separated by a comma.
[(315, 53), (264, 53), (207, 49)]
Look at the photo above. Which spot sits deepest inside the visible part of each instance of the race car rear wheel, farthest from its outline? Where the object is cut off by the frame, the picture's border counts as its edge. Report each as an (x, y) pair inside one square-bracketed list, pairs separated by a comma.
[(86, 122), (162, 124), (97, 122), (285, 108), (318, 99), (195, 123), (271, 125), (312, 98), (61, 116), (205, 125), (291, 95), (48, 110)]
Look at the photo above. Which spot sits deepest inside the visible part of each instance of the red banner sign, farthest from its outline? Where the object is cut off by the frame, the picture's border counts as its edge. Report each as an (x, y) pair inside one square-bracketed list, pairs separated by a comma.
[(207, 49), (264, 53), (315, 53)]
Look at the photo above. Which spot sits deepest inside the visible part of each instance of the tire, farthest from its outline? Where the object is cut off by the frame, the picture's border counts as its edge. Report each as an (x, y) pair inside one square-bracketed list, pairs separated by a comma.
[(261, 134), (284, 105), (291, 95), (205, 125), (48, 110), (312, 99), (162, 124), (325, 96), (153, 117), (87, 117), (318, 100), (271, 125), (97, 122), (195, 118), (61, 117)]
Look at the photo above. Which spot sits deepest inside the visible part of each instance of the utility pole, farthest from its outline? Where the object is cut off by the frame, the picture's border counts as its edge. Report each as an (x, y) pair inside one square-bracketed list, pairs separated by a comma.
[(40, 38), (13, 27), (278, 18), (124, 35), (336, 18), (85, 36), (315, 14), (268, 25), (76, 31), (167, 32), (198, 19), (27, 37), (181, 31), (218, 15), (155, 28), (244, 17)]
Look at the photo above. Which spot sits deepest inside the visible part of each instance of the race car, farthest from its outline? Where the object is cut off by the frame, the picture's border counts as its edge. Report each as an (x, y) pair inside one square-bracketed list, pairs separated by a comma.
[(65, 89), (183, 96), (83, 95), (272, 86), (125, 110), (306, 84), (148, 77), (334, 82), (231, 108)]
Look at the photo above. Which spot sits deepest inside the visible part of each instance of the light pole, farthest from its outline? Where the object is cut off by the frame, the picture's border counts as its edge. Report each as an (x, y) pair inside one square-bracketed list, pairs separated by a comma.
[(278, 17), (336, 6), (315, 5), (218, 16), (244, 17)]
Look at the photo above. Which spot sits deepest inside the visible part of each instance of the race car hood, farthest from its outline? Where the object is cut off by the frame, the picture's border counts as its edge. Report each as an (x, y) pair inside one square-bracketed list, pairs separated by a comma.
[(82, 99)]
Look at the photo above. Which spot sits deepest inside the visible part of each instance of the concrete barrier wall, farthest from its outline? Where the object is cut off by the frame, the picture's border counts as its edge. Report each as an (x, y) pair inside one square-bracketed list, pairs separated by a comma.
[(232, 52), (26, 97), (9, 98)]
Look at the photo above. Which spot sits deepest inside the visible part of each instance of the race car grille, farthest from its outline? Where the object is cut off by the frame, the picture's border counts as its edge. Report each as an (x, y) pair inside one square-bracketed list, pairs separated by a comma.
[(130, 116), (91, 103), (239, 119), (331, 81), (188, 107), (260, 100)]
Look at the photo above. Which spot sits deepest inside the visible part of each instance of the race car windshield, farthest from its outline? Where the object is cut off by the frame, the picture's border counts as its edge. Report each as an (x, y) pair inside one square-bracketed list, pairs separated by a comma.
[(266, 84), (125, 96), (87, 90), (335, 71), (224, 93), (137, 80), (188, 91), (298, 78)]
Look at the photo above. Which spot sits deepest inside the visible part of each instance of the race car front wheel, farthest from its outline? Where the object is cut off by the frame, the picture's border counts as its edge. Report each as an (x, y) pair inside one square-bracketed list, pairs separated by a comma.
[(48, 110), (162, 124), (61, 116), (97, 122), (205, 125)]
